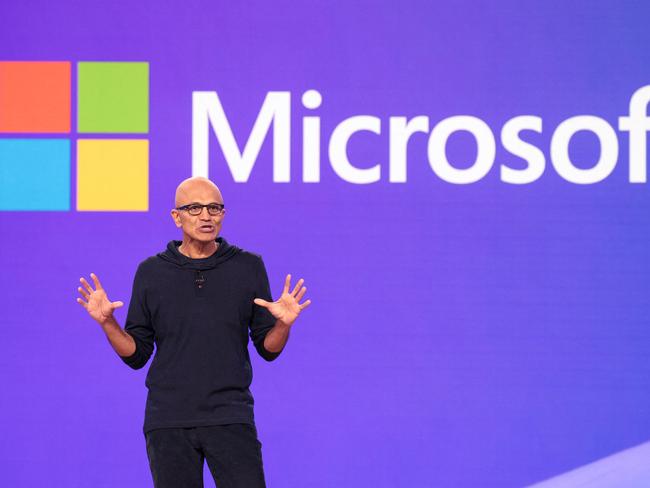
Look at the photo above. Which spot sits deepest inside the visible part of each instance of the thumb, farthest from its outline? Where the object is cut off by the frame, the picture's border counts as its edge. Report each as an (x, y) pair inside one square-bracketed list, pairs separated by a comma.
[(261, 303), (117, 305)]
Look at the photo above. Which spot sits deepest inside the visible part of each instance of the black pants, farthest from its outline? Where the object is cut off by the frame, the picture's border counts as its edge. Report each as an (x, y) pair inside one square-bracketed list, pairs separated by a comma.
[(233, 453)]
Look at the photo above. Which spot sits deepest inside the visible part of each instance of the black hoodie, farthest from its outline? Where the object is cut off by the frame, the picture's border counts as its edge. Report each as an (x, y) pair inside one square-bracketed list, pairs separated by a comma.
[(199, 313)]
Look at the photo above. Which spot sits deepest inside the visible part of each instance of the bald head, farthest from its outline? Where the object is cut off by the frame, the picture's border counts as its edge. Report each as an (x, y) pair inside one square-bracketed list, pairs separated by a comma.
[(197, 189)]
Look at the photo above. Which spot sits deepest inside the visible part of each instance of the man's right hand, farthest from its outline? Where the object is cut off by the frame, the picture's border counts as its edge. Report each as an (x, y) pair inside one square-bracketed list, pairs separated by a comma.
[(97, 304)]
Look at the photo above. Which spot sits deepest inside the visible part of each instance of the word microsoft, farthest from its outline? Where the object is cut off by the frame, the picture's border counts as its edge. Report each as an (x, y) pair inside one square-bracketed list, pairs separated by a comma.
[(207, 111)]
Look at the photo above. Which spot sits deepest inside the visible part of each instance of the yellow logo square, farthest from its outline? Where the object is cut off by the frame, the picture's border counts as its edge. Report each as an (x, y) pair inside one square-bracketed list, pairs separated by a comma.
[(113, 174)]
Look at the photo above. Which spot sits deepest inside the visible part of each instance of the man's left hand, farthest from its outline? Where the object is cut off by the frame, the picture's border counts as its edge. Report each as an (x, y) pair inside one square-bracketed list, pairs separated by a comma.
[(286, 309)]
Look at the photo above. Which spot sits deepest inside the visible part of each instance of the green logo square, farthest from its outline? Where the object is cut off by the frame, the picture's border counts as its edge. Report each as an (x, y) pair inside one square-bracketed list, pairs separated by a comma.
[(113, 97)]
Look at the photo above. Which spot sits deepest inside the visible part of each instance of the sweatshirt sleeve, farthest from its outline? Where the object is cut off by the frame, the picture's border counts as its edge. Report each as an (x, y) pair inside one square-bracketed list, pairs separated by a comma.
[(138, 324), (262, 320)]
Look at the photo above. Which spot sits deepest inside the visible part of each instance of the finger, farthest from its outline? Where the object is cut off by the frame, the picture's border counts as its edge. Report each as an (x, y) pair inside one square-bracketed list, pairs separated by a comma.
[(305, 305), (87, 285), (82, 303), (287, 283), (117, 304), (98, 285), (297, 287), (262, 303), (85, 295), (301, 293)]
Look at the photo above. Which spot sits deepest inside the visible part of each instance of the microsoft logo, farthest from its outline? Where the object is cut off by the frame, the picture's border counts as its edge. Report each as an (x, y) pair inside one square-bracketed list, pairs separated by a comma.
[(40, 139)]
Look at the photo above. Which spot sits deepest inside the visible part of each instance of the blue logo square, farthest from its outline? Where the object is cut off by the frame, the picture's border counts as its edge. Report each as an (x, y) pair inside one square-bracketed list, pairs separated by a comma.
[(34, 174)]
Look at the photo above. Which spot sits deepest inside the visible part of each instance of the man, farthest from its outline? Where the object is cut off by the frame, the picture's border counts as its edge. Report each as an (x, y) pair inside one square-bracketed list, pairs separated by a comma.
[(198, 301)]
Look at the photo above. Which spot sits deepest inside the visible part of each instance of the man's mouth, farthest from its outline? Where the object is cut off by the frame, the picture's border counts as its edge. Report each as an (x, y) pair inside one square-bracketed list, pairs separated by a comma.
[(206, 228)]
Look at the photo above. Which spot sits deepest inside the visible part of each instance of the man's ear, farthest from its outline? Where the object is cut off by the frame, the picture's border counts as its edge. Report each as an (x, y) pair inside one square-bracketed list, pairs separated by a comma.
[(177, 217)]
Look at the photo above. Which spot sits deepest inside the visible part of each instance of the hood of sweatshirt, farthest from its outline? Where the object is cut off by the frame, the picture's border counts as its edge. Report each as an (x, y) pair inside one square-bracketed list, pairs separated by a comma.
[(224, 252)]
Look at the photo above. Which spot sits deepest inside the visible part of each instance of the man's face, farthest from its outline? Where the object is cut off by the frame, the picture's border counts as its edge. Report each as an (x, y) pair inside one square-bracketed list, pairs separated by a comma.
[(203, 227)]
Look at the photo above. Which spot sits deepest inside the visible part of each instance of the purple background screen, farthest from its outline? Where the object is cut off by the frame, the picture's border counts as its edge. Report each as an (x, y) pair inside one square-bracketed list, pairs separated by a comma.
[(481, 335)]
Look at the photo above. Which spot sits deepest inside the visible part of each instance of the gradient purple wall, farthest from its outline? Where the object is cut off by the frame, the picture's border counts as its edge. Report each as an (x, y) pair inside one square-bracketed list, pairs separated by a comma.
[(486, 335)]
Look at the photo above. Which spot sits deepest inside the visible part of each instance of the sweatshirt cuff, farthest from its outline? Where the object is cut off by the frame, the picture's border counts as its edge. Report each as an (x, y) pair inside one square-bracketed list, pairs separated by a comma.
[(266, 354), (134, 360)]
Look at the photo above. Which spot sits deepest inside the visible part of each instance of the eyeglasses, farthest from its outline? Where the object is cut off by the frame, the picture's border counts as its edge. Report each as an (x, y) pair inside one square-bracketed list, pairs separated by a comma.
[(197, 208)]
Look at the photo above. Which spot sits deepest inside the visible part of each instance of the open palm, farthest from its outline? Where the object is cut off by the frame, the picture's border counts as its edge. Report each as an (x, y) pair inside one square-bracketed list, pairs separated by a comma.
[(287, 307), (97, 304)]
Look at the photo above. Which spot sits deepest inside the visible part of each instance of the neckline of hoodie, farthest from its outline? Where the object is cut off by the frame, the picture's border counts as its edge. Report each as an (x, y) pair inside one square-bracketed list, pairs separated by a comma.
[(197, 260)]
